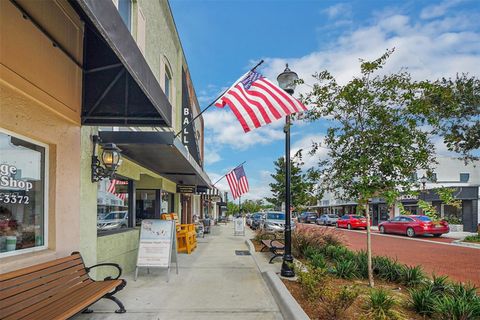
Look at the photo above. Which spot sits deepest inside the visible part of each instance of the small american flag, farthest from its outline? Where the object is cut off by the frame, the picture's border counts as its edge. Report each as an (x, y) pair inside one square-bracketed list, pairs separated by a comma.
[(111, 188), (237, 180), (256, 101)]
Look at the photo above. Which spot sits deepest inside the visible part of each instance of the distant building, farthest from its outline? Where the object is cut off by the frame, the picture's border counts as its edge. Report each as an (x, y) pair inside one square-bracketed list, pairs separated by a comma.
[(449, 172)]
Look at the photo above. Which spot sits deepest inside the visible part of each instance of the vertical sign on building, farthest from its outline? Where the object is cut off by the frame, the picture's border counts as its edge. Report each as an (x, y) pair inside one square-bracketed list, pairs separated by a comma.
[(188, 133)]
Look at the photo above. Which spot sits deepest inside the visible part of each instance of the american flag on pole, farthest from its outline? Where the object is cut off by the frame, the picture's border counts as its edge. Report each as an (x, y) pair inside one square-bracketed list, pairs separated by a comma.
[(237, 180), (256, 101), (111, 188)]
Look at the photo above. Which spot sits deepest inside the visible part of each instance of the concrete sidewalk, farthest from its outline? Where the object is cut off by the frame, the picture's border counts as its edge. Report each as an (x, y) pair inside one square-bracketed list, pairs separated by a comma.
[(213, 283)]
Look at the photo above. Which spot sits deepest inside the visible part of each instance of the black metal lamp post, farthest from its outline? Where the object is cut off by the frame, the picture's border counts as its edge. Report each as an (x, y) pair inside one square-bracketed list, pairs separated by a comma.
[(286, 81)]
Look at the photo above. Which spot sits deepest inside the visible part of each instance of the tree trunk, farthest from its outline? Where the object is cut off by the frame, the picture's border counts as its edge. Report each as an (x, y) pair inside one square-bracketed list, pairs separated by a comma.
[(369, 248)]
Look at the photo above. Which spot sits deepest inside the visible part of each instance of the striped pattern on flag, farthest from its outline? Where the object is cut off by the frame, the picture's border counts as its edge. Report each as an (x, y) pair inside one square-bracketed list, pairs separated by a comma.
[(256, 101), (237, 181), (111, 188)]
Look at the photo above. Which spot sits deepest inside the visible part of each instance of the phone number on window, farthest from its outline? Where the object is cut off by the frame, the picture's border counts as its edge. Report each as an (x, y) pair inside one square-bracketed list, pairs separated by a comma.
[(13, 198)]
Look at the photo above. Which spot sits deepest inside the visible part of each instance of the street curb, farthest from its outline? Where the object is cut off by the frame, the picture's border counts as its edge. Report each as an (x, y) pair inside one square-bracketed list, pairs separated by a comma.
[(289, 307), (461, 243)]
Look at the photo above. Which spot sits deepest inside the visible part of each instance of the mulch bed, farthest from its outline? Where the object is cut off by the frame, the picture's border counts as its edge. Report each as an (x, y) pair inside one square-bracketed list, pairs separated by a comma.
[(356, 311)]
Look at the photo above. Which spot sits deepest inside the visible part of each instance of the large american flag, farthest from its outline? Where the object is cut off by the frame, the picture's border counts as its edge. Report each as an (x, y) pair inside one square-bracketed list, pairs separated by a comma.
[(111, 188), (256, 101), (237, 180)]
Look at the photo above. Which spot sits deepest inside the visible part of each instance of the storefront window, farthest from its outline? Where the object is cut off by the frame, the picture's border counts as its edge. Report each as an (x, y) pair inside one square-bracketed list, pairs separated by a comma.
[(22, 194), (167, 202), (145, 208), (453, 214), (112, 205)]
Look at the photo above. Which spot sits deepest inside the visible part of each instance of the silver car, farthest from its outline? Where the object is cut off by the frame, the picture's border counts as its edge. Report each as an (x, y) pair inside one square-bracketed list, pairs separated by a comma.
[(275, 222), (327, 219), (113, 220)]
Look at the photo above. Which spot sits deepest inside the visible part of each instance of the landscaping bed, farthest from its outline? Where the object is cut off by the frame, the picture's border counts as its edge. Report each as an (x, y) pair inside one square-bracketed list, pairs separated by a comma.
[(472, 239), (332, 284)]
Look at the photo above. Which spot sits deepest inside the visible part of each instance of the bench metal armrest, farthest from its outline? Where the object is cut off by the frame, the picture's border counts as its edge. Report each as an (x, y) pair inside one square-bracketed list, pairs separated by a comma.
[(107, 264)]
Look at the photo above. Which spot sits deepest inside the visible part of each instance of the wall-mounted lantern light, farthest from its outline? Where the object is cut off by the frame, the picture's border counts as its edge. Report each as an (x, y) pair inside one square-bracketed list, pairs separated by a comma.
[(110, 159)]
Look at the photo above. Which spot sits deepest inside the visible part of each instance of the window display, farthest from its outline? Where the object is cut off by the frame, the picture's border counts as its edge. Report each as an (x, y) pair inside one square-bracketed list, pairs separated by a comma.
[(22, 194), (112, 205)]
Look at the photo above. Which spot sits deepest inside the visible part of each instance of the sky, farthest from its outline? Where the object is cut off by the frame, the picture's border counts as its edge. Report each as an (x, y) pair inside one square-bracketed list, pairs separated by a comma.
[(223, 39)]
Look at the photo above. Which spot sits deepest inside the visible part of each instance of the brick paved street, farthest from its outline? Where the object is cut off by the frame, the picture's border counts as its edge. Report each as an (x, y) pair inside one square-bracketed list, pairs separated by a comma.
[(459, 263)]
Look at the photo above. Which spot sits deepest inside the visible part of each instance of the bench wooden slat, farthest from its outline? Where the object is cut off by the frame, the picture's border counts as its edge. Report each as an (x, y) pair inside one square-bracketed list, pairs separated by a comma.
[(70, 305), (44, 291), (56, 289), (22, 310), (39, 273), (64, 275), (45, 265)]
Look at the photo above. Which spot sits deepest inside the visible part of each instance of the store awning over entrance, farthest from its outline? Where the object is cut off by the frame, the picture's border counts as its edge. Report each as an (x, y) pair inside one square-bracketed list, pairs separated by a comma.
[(119, 88), (160, 152)]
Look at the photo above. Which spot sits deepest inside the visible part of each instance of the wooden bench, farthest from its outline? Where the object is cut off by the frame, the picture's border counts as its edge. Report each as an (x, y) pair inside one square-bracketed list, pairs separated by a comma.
[(57, 289), (274, 246)]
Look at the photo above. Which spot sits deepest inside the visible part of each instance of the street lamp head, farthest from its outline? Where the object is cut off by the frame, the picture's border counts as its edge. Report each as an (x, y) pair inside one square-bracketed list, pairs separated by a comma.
[(423, 180), (286, 80), (110, 156)]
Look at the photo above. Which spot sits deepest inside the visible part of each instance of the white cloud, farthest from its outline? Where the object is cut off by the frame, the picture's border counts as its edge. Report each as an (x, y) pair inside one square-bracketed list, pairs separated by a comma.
[(259, 185), (429, 49), (438, 10), (223, 128), (213, 155), (338, 10), (305, 144)]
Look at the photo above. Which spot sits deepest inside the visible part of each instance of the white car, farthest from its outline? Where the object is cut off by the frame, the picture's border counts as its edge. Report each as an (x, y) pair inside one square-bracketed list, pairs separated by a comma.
[(113, 220), (275, 222)]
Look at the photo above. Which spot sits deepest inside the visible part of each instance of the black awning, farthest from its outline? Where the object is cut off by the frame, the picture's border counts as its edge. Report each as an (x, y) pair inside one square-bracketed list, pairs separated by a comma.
[(119, 88), (160, 152)]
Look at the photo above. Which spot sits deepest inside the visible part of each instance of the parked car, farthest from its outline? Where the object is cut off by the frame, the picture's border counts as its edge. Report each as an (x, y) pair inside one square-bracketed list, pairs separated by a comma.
[(413, 225), (275, 222), (307, 217), (327, 219), (351, 221), (257, 221), (113, 220)]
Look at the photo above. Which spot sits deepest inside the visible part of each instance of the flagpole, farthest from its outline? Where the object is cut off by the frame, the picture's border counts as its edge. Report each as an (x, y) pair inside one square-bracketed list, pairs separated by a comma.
[(228, 173), (211, 104), (239, 205)]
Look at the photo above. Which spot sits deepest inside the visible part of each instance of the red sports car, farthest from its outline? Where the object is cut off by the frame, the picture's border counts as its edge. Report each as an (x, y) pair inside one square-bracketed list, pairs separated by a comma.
[(414, 225), (351, 221)]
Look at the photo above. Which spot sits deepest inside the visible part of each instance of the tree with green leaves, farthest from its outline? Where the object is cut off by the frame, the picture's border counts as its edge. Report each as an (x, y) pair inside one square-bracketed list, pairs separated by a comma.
[(302, 184), (452, 108), (251, 206), (375, 142), (232, 208)]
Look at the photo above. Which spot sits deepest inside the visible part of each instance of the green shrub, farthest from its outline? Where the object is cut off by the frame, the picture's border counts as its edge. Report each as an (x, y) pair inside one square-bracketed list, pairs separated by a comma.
[(412, 276), (310, 251), (309, 280), (448, 307), (345, 269), (318, 261), (440, 284), (361, 259), (466, 292), (422, 300), (387, 269), (475, 238), (379, 305), (334, 303), (317, 238)]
